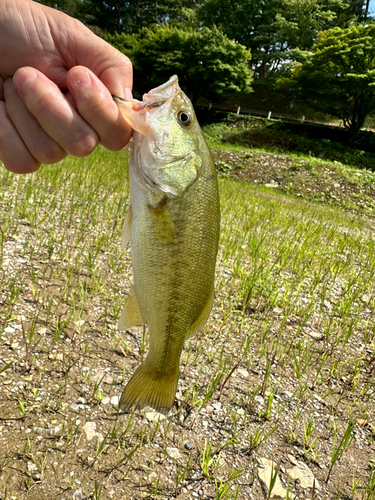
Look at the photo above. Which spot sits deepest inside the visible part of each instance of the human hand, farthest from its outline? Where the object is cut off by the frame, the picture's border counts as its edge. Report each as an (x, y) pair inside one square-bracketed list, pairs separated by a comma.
[(42, 52)]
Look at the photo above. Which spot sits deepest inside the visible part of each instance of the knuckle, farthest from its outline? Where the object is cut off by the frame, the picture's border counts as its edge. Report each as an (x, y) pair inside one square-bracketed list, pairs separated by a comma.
[(48, 153), (83, 145), (116, 143), (42, 102)]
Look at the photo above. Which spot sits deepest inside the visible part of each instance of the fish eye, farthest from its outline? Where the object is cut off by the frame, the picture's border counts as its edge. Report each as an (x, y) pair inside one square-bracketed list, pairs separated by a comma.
[(184, 118)]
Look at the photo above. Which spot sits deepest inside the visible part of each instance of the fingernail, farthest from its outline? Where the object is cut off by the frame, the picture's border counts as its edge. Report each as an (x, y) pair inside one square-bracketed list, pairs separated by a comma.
[(81, 80), (128, 94), (22, 81)]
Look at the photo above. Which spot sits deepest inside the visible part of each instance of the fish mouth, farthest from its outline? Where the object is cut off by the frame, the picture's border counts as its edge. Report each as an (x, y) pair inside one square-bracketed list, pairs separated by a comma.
[(155, 98)]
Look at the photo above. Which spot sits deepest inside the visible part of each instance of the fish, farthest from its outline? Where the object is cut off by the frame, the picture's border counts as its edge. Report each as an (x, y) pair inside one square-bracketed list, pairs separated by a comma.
[(173, 229)]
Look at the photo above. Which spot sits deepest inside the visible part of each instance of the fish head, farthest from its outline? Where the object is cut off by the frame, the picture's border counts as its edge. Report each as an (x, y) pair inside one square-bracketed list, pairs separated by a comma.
[(167, 138)]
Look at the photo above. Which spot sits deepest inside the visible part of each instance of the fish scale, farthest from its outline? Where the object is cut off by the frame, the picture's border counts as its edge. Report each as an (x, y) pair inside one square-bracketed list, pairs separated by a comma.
[(173, 227)]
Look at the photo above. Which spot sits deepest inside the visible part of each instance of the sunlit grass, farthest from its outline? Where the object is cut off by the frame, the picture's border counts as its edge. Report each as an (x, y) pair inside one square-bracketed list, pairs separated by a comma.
[(285, 362)]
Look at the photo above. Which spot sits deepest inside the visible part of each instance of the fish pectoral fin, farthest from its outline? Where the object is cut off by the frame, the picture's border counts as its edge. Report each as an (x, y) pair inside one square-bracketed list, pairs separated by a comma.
[(126, 229), (203, 317), (131, 314), (162, 222)]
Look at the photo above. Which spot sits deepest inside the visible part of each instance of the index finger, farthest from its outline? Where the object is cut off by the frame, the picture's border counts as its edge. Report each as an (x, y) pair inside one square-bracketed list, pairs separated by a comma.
[(84, 48)]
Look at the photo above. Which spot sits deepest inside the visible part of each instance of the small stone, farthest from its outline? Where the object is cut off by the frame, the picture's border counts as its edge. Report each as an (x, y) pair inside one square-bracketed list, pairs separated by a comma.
[(316, 335), (174, 453), (154, 416), (216, 406), (77, 495), (101, 377), (188, 446), (57, 429), (14, 345), (266, 472), (106, 400), (74, 406), (243, 372), (31, 467), (115, 400), (259, 399), (287, 394), (301, 473), (9, 329), (271, 185), (90, 431)]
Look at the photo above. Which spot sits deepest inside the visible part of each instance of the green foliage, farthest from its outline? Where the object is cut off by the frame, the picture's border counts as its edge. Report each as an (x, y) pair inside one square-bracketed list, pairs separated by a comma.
[(74, 8), (270, 28), (206, 61), (130, 17), (339, 76)]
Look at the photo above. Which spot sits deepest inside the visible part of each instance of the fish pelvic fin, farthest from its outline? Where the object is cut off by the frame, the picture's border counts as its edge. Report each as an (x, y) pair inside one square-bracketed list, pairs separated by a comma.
[(131, 314), (203, 317), (126, 229), (149, 387)]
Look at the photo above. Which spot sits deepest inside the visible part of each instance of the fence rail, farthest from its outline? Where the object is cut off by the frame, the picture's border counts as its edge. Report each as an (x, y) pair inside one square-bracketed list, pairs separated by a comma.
[(240, 110)]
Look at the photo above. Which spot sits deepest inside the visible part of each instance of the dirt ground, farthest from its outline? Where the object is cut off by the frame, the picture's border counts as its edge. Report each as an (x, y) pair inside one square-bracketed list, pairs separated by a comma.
[(63, 366)]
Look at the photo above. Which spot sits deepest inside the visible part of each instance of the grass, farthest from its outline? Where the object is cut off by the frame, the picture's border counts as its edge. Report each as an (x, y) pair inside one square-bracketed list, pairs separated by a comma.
[(282, 137), (284, 366)]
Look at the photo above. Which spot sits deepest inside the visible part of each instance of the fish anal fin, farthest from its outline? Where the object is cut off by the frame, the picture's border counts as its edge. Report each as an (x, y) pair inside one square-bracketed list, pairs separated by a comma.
[(149, 387), (126, 229), (203, 317), (131, 314)]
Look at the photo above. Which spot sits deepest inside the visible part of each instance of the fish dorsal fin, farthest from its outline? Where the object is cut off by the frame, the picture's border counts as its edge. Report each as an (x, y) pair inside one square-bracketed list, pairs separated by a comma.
[(126, 229), (131, 314), (203, 317)]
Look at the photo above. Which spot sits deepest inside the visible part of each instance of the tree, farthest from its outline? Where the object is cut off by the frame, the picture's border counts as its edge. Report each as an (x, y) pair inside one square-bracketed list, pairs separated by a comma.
[(207, 62), (270, 28), (245, 21), (70, 7), (338, 77), (130, 16)]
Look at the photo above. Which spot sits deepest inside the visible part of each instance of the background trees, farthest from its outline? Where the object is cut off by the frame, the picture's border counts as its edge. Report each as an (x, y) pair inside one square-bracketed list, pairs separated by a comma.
[(207, 62), (338, 77), (215, 46)]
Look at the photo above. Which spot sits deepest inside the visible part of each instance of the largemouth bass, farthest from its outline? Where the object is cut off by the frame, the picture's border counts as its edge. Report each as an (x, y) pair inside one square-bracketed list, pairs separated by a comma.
[(173, 228)]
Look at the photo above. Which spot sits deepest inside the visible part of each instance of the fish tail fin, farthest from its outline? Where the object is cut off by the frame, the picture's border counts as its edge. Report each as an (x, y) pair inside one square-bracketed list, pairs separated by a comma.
[(149, 387)]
